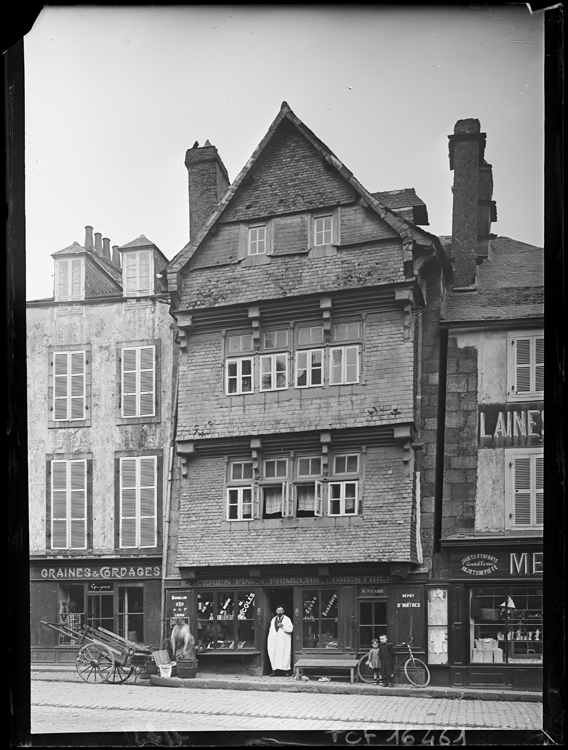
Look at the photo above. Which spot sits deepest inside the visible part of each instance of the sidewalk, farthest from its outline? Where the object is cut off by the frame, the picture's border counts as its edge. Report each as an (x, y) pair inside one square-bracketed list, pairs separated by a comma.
[(215, 680)]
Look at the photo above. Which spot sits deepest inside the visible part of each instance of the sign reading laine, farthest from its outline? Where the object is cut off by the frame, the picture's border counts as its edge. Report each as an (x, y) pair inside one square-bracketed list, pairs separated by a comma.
[(506, 425)]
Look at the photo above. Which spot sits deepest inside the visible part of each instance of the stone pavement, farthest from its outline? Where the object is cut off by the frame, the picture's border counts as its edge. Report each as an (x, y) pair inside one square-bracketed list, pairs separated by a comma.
[(218, 681)]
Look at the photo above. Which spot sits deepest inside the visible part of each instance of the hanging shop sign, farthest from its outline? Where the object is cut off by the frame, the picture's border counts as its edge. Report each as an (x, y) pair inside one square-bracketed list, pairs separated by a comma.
[(520, 563), (81, 573), (507, 425)]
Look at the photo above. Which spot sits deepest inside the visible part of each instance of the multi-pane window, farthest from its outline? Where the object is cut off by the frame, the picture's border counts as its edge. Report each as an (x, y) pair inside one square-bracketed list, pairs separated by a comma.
[(309, 368), (308, 488), (373, 622), (239, 375), (309, 335), (139, 381), (343, 496), (275, 339), (257, 240), (320, 618), (138, 502), (346, 331), (69, 279), (69, 504), (526, 482), (130, 614), (137, 271), (344, 365), (273, 372), (225, 619), (240, 343), (323, 230), (277, 498), (240, 503), (69, 385), (527, 366)]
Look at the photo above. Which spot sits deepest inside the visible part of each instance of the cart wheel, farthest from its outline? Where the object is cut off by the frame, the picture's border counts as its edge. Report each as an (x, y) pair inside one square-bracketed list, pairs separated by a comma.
[(120, 674), (95, 663)]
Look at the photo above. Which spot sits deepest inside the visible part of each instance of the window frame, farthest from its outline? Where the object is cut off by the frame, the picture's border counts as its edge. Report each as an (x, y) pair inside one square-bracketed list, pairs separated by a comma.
[(239, 376), (138, 517), (344, 365), (138, 290), (138, 371), (252, 228), (69, 295), (535, 455), (240, 489), (512, 349), (157, 362), (273, 374), (342, 484), (52, 353), (309, 368), (51, 517)]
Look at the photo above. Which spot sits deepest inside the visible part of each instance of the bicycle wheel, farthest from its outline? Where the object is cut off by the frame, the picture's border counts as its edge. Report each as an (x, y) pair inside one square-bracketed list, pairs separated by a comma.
[(417, 673), (365, 673)]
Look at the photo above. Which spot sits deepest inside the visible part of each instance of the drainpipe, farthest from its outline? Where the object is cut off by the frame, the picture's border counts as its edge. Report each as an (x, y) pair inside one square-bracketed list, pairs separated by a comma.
[(168, 501), (440, 440)]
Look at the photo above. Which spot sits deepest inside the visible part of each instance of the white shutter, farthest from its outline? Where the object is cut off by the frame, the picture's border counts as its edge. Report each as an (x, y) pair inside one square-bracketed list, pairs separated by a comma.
[(335, 366), (522, 490), (130, 382), (255, 501), (62, 268), (78, 504), (59, 517), (287, 500), (539, 490), (77, 278), (60, 386), (77, 389), (148, 501), (539, 364), (144, 266), (147, 381), (130, 272), (318, 499), (128, 502)]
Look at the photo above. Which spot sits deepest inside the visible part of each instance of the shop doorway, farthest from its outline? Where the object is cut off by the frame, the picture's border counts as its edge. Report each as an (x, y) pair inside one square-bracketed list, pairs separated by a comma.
[(100, 610), (280, 597)]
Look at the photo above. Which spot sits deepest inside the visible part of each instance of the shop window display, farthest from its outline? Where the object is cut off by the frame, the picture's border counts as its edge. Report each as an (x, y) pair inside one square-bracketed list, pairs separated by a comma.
[(438, 626), (225, 620), (71, 600), (506, 625), (319, 618)]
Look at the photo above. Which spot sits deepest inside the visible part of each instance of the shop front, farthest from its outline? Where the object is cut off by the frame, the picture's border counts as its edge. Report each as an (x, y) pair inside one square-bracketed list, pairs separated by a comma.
[(333, 612), (123, 596), (496, 604)]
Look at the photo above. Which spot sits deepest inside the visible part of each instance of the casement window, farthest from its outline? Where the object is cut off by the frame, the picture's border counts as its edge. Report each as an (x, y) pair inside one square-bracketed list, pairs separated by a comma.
[(68, 523), (137, 272), (241, 503), (323, 230), (308, 489), (239, 374), (273, 372), (525, 506), (138, 374), (69, 385), (257, 240), (309, 368), (69, 279), (343, 496), (275, 339), (138, 507), (343, 365), (526, 366)]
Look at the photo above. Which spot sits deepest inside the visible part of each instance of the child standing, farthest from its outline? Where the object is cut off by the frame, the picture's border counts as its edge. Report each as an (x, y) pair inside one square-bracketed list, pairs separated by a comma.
[(386, 661), (373, 660)]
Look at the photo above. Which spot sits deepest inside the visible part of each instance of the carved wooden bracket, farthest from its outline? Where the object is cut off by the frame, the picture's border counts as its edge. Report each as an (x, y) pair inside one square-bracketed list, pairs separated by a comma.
[(325, 307), (185, 324), (403, 432), (406, 296), (185, 450), (254, 317)]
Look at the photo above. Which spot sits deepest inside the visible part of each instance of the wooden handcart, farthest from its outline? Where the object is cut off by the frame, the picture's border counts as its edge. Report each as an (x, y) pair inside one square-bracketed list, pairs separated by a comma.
[(104, 656)]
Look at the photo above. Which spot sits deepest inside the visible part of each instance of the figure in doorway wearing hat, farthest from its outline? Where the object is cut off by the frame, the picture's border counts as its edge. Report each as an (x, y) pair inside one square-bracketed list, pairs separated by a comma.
[(280, 643)]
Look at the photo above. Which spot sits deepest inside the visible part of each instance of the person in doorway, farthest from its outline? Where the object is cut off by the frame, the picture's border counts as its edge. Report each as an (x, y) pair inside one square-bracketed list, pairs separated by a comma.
[(386, 661), (373, 660), (280, 643)]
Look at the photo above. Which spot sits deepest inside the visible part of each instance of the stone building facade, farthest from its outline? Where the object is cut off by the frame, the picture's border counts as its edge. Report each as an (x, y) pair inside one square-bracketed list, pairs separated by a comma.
[(302, 301), (100, 358)]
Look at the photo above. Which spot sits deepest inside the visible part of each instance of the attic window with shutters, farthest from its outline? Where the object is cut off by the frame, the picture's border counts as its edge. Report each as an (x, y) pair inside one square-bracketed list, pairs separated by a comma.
[(525, 366), (137, 272), (69, 279), (524, 488)]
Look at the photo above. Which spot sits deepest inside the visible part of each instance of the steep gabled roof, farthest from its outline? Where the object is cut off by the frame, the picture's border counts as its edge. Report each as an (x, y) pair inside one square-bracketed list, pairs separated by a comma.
[(142, 242), (406, 230)]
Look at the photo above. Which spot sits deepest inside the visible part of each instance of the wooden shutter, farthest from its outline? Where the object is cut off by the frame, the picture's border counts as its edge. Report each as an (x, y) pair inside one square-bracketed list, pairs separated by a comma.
[(76, 278), (255, 501), (60, 386), (77, 388), (147, 381), (287, 500), (336, 366), (62, 267), (539, 490), (78, 504), (128, 487), (59, 517), (148, 501), (522, 365), (522, 490), (130, 382), (539, 364), (318, 499), (130, 275), (144, 266)]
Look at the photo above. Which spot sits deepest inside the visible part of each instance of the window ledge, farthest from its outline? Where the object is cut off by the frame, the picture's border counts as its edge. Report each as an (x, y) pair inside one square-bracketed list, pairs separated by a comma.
[(64, 423), (138, 420), (268, 524)]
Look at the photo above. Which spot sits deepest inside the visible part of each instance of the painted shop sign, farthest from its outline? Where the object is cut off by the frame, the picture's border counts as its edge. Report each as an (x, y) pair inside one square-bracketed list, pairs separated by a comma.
[(500, 564), (299, 581), (98, 571), (506, 425)]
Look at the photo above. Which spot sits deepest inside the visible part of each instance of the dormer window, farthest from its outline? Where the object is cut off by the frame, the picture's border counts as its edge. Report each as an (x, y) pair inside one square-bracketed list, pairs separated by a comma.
[(69, 279), (137, 272), (323, 230), (257, 240)]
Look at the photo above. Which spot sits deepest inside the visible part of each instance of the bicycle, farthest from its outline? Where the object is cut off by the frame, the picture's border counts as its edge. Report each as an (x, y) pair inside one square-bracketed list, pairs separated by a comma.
[(415, 670)]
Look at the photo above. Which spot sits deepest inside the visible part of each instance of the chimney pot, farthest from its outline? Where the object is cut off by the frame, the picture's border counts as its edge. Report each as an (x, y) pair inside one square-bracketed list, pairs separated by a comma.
[(88, 238), (116, 256), (106, 248), (98, 245), (467, 126)]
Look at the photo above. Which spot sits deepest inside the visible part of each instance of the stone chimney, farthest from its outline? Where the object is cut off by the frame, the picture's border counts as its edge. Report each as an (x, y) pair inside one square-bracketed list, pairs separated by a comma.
[(473, 208), (98, 243), (106, 248), (116, 256), (208, 182), (88, 238)]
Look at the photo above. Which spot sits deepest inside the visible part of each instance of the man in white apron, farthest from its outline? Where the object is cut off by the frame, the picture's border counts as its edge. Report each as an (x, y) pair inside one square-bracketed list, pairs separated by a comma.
[(280, 642)]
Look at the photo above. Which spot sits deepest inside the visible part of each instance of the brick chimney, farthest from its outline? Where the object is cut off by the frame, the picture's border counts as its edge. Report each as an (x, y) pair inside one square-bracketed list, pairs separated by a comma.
[(88, 238), (208, 182), (473, 208)]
